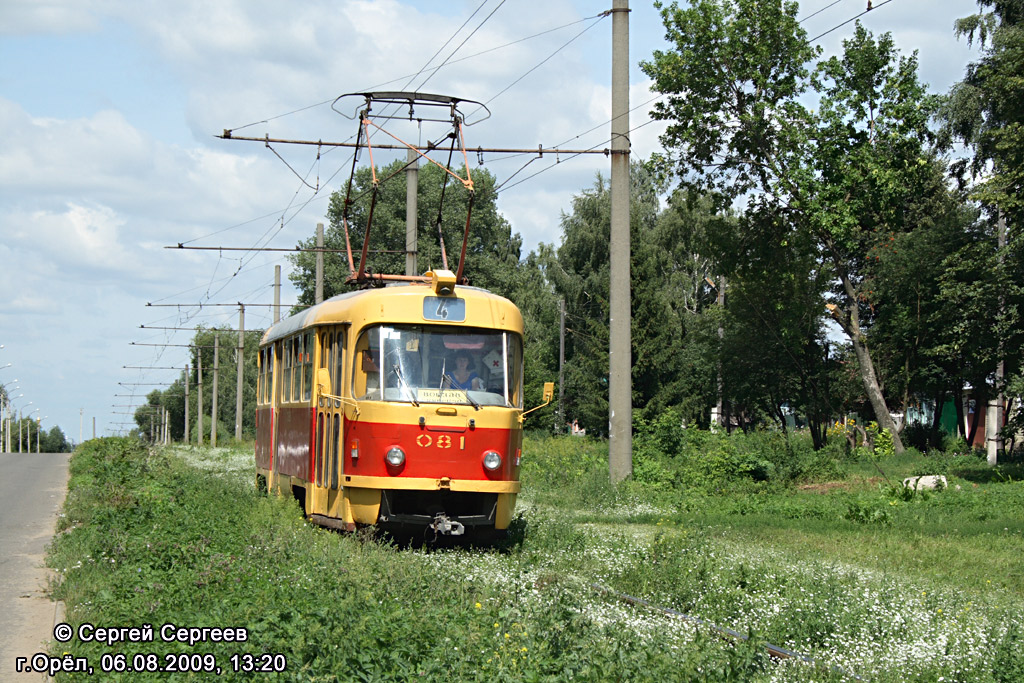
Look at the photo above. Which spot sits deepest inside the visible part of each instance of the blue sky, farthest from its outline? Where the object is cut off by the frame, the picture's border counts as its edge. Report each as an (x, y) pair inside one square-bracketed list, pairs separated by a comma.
[(108, 110)]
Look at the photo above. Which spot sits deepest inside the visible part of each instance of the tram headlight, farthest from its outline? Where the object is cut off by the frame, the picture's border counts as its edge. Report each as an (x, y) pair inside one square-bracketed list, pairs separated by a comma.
[(492, 460), (395, 456)]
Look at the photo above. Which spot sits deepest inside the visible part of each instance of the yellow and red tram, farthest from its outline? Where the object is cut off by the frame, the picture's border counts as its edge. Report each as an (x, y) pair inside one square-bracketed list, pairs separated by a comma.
[(400, 406)]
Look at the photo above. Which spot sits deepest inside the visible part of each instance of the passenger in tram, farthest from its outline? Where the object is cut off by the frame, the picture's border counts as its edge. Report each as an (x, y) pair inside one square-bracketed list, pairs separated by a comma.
[(463, 377)]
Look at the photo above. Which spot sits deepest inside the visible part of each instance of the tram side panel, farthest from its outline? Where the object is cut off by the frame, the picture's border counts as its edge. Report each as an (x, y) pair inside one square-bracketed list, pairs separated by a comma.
[(264, 436), (294, 438)]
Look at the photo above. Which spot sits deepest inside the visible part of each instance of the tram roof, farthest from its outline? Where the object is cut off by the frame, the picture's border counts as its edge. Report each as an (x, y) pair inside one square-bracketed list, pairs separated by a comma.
[(368, 305)]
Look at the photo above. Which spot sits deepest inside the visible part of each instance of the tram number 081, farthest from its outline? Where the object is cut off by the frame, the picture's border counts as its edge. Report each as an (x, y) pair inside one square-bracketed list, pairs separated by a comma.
[(443, 442)]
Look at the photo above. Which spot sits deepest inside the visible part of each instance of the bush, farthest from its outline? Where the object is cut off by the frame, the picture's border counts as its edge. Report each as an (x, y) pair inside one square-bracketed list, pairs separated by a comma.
[(669, 456)]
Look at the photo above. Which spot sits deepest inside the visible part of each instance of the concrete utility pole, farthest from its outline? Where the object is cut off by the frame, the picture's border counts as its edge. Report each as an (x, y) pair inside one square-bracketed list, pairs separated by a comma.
[(412, 171), (319, 263), (94, 427), (199, 398), (241, 348), (718, 412), (216, 371), (561, 367), (188, 440), (277, 294), (620, 384), (994, 446)]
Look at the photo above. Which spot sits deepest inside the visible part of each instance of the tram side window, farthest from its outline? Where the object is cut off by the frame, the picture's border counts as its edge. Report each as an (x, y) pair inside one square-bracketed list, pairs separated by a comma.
[(278, 369), (338, 355), (307, 367), (286, 383), (260, 379), (365, 367), (325, 349), (268, 384), (268, 373), (296, 383), (514, 353)]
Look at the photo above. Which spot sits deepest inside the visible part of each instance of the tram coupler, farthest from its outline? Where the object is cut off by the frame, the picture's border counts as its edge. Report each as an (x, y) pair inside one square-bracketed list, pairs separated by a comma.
[(446, 527)]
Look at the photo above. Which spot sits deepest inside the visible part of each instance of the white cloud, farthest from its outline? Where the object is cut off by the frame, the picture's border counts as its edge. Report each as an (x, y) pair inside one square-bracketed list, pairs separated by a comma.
[(20, 17), (78, 237)]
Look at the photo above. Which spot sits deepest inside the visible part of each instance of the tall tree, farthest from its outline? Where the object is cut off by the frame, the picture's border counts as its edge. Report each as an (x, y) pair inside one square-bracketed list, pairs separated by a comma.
[(775, 353), (736, 81), (986, 111), (662, 272), (173, 398)]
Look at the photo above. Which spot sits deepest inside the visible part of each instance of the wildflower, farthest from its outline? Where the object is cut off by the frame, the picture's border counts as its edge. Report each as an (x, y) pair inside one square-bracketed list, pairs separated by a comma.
[(478, 605)]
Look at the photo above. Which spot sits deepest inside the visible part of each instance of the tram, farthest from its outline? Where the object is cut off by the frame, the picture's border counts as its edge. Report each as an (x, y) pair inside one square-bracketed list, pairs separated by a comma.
[(399, 406)]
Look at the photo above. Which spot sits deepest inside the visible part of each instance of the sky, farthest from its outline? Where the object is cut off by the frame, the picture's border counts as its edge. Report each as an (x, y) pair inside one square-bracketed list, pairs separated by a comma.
[(109, 111)]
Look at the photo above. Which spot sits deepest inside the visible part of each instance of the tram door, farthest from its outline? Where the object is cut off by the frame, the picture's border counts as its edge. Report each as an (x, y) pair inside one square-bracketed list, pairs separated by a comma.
[(330, 415)]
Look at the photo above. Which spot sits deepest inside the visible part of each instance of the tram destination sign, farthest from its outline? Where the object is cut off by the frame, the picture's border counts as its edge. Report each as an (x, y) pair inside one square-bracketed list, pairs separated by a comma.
[(444, 308), (441, 396)]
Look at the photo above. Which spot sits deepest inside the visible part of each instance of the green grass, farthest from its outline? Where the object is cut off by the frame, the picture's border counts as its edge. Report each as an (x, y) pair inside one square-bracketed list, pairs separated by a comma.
[(819, 557)]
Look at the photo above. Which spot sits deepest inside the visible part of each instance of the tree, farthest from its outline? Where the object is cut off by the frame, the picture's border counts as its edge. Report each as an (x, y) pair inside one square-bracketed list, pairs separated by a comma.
[(986, 112), (986, 109), (54, 441), (736, 81), (662, 271), (173, 398), (774, 350)]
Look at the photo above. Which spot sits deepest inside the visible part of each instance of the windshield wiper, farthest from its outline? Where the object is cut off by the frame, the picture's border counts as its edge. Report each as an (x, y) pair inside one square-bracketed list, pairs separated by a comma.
[(405, 385), (452, 383)]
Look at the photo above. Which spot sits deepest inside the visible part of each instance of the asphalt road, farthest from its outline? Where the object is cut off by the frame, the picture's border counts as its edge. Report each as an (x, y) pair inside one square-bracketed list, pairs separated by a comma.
[(32, 489)]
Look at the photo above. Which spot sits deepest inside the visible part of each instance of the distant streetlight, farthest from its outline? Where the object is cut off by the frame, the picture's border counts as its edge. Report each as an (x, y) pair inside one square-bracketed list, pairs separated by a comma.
[(28, 431), (6, 366), (21, 419), (39, 429)]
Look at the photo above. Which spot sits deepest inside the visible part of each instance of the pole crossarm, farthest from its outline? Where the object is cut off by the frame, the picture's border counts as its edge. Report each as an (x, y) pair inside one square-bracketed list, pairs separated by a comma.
[(234, 305), (539, 150), (184, 346), (189, 329), (181, 245), (325, 250)]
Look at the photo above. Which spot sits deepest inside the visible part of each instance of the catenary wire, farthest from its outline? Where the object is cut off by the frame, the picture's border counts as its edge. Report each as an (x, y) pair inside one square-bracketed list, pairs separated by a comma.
[(821, 35), (814, 14)]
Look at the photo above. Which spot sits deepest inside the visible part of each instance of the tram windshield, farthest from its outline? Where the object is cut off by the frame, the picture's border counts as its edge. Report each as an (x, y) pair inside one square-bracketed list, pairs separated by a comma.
[(423, 364)]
